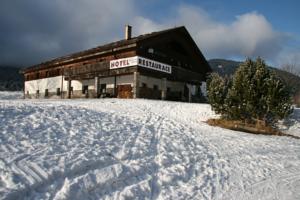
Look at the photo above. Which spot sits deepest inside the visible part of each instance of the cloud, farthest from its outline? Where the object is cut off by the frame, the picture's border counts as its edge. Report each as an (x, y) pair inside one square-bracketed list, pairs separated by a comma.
[(35, 31), (249, 35), (142, 25)]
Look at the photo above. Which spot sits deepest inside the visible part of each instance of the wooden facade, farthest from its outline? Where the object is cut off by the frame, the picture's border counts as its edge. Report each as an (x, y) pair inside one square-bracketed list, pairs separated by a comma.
[(89, 73)]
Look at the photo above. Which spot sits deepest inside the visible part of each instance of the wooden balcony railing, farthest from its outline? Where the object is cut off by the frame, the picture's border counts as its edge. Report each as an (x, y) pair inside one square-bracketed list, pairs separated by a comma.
[(86, 69)]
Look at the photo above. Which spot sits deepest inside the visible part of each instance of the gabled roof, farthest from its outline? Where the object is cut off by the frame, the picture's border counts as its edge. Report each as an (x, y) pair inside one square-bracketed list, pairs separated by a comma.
[(107, 48)]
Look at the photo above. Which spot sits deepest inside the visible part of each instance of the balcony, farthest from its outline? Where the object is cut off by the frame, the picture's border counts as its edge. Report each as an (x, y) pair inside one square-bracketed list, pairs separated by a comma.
[(86, 69)]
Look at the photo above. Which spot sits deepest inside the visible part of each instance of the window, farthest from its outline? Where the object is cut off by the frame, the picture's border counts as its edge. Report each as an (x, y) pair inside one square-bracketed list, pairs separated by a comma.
[(179, 63), (37, 75), (57, 91), (168, 89), (155, 87), (46, 93), (47, 74), (144, 85), (27, 92), (103, 88), (85, 89), (150, 50), (37, 93)]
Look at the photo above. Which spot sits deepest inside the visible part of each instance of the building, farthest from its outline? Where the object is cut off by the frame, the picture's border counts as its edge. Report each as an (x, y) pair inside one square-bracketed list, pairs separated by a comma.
[(159, 65)]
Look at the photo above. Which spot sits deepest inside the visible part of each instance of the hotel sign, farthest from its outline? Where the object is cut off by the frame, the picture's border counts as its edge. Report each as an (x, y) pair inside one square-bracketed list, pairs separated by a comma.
[(123, 62), (142, 62)]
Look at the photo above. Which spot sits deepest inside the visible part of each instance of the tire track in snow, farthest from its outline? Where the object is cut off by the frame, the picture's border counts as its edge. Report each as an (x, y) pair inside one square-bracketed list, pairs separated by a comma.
[(35, 178), (189, 130), (242, 190), (245, 189), (150, 124), (38, 179), (210, 147), (271, 186), (173, 142), (128, 177), (155, 188), (156, 122), (130, 144), (154, 144), (153, 122)]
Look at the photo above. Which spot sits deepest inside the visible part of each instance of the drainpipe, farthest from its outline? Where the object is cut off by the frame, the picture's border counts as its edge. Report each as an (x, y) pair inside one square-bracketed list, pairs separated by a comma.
[(136, 78), (115, 87), (96, 86), (69, 87), (164, 89), (62, 83), (24, 89)]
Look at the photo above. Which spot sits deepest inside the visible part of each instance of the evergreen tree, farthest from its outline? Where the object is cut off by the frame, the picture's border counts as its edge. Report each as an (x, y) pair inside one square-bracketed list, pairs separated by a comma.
[(254, 94), (216, 93)]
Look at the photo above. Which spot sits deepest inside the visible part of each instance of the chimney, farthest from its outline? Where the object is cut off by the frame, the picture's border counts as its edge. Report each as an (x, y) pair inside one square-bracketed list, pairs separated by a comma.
[(128, 32)]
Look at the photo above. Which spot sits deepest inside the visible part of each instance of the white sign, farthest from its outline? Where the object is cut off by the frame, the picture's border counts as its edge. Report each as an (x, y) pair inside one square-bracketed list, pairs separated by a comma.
[(151, 64), (123, 62), (142, 62)]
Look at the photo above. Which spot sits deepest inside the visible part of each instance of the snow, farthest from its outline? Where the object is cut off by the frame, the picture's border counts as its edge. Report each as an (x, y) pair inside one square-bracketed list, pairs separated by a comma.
[(138, 149), (11, 95), (292, 124)]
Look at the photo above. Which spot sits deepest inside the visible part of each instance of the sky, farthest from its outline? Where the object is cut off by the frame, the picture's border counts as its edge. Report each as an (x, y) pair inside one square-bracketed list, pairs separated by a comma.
[(34, 31)]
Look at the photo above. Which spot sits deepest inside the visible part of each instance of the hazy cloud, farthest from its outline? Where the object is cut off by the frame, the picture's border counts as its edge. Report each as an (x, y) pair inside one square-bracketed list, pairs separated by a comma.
[(250, 35), (33, 31)]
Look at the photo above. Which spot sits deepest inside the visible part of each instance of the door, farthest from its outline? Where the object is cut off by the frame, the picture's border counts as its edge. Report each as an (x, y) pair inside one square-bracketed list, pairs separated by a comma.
[(125, 91)]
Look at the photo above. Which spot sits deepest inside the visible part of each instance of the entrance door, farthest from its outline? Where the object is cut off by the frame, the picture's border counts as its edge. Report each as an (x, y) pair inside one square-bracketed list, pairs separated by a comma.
[(125, 91), (102, 88), (186, 92)]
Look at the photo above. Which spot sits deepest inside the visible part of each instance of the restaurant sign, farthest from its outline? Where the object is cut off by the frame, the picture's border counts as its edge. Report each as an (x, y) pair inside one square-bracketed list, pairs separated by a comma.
[(142, 62)]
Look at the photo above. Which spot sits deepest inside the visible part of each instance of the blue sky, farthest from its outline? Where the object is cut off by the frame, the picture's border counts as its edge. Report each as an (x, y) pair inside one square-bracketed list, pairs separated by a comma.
[(35, 31), (282, 14)]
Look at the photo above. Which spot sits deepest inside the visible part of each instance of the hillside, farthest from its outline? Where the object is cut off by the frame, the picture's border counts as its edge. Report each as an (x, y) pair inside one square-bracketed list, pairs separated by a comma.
[(11, 79), (228, 67), (138, 149), (224, 67)]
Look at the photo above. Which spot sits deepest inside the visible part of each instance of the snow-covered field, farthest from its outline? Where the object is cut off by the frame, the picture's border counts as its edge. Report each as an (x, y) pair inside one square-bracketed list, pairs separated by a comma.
[(11, 95), (138, 149)]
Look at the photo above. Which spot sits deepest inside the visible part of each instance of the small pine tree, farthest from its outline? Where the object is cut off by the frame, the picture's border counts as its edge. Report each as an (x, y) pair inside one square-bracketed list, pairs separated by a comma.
[(253, 94), (216, 92)]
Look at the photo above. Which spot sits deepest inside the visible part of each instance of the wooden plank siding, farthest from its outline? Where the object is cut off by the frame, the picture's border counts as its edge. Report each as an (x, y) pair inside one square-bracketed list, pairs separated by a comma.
[(174, 47), (77, 69)]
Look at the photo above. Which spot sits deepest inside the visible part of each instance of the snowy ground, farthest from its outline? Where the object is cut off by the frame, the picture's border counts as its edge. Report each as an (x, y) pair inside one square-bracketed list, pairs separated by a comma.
[(138, 149), (11, 95)]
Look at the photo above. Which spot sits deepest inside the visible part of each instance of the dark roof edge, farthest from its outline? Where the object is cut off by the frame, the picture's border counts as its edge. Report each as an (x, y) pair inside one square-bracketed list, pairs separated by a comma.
[(199, 51), (106, 48)]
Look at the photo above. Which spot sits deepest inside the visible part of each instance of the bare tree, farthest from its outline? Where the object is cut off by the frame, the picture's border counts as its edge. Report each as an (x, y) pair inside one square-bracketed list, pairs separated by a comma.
[(292, 67)]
